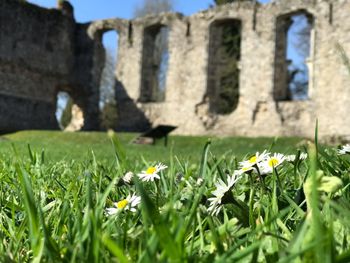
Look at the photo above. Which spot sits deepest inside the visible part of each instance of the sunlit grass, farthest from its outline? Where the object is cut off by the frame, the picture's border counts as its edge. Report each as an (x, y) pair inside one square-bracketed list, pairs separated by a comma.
[(67, 146), (55, 210)]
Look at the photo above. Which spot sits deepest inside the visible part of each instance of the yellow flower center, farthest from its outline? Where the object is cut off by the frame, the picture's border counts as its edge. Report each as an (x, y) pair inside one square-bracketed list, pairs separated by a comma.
[(273, 162), (123, 203), (151, 170), (252, 159)]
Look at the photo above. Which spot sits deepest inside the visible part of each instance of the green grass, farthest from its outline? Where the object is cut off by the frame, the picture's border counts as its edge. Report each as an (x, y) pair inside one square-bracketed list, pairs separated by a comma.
[(67, 146), (53, 207)]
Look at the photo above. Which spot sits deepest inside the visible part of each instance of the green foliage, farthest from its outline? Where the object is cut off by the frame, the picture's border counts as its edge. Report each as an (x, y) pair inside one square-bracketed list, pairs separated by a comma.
[(67, 114), (76, 146), (109, 115), (56, 211), (227, 56), (60, 3), (229, 89), (223, 2), (153, 7)]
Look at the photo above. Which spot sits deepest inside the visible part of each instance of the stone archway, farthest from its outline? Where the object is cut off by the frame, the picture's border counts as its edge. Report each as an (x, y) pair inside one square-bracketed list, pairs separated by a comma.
[(69, 115), (294, 56), (223, 65)]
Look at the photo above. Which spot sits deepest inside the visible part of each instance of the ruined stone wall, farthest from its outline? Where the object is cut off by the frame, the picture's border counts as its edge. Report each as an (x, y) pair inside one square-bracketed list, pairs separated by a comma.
[(42, 52), (258, 113), (45, 51)]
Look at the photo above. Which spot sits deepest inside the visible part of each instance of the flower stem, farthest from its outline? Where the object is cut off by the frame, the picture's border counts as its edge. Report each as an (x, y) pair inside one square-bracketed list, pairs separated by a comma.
[(157, 194), (251, 202), (262, 181), (278, 180)]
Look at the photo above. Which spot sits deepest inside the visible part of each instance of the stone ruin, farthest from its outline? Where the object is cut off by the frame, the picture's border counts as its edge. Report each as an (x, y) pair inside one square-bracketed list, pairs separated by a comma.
[(45, 51)]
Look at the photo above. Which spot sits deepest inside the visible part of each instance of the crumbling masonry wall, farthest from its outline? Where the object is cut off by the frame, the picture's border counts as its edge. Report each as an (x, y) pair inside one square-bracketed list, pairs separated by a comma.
[(43, 52), (186, 103)]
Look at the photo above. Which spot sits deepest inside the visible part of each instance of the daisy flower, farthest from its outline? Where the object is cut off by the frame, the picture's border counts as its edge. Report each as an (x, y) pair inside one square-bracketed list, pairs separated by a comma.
[(303, 156), (128, 177), (199, 182), (275, 160), (272, 162), (246, 169), (248, 165), (345, 149), (152, 172), (291, 158), (129, 203), (221, 189), (239, 172)]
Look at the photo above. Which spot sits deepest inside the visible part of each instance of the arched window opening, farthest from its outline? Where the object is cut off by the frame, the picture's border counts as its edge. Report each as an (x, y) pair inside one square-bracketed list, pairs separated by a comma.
[(223, 65), (68, 114), (293, 56), (107, 101), (155, 58)]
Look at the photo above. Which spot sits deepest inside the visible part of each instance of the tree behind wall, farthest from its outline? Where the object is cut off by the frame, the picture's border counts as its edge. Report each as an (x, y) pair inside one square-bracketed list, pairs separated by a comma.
[(222, 2), (157, 56), (228, 75), (107, 104), (223, 68), (66, 114), (107, 83), (109, 115), (153, 7)]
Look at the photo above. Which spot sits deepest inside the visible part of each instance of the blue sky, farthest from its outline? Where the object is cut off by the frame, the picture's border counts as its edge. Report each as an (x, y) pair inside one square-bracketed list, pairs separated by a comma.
[(88, 10)]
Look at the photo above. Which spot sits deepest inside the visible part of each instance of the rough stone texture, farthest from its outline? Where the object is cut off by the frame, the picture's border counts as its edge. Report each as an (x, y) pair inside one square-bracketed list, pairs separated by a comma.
[(258, 113), (77, 121), (44, 51)]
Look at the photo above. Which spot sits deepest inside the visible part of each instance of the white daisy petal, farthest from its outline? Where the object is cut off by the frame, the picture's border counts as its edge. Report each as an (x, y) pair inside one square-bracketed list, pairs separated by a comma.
[(264, 168), (303, 156), (345, 149), (128, 177), (290, 158), (272, 162), (129, 203), (249, 165), (221, 189), (111, 211), (134, 200), (152, 172), (199, 181)]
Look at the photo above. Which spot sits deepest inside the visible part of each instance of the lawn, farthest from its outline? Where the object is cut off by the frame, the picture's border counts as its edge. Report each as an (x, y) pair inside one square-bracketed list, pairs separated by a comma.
[(78, 146), (98, 198)]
